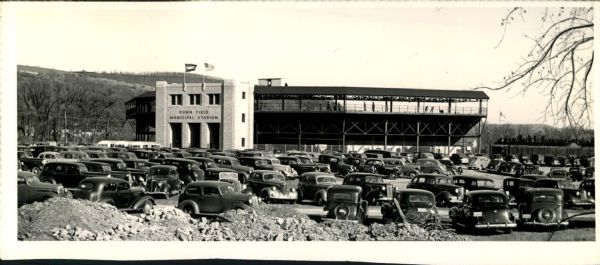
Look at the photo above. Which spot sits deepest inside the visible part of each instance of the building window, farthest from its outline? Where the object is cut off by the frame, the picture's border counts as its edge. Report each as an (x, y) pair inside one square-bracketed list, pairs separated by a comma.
[(243, 94), (176, 100), (195, 99), (243, 117), (214, 99), (243, 142)]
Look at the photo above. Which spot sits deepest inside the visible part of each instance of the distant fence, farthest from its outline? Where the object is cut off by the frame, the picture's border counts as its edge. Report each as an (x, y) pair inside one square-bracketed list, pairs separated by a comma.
[(542, 150)]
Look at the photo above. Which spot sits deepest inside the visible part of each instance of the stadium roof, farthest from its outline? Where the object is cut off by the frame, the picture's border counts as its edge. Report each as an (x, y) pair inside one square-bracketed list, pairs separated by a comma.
[(368, 91)]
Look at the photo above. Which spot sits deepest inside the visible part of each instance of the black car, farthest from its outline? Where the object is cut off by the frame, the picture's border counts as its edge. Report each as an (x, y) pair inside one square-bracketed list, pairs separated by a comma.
[(297, 164), (346, 203), (588, 189), (69, 174), (212, 198), (446, 192), (114, 191), (471, 183), (163, 180), (257, 162), (374, 189), (188, 169), (515, 189), (313, 186), (572, 194), (542, 207), (483, 209), (411, 205), (271, 186)]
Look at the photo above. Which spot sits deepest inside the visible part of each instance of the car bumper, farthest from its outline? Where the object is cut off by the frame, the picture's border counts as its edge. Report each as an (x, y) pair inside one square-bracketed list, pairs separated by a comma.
[(536, 223), (283, 196), (339, 220), (485, 226)]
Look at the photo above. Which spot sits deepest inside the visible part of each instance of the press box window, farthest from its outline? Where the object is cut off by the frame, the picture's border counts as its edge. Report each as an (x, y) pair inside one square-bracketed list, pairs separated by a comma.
[(243, 94), (214, 99), (243, 117), (195, 99), (243, 142), (176, 100)]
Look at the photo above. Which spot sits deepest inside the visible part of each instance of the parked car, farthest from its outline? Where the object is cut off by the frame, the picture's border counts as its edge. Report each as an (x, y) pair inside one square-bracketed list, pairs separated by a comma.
[(459, 159), (411, 205), (483, 209), (515, 189), (309, 159), (572, 195), (212, 198), (35, 164), (345, 202), (525, 160), (297, 164), (577, 173), (378, 166), (537, 159), (383, 153), (405, 169), (271, 186), (494, 165), (336, 163), (160, 156), (226, 175), (551, 161), (374, 189), (588, 189), (36, 150), (143, 153), (98, 167), (30, 189), (286, 170), (69, 174), (511, 158), (188, 169), (425, 155), (121, 155), (78, 155), (509, 168), (472, 183), (542, 207), (527, 169), (232, 162), (479, 162), (114, 191), (431, 166), (204, 162), (182, 154), (450, 167), (96, 154), (446, 192), (163, 180), (313, 186), (563, 161), (560, 173)]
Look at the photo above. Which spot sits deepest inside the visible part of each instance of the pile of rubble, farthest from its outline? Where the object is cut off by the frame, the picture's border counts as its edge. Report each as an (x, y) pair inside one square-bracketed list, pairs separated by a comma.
[(67, 219)]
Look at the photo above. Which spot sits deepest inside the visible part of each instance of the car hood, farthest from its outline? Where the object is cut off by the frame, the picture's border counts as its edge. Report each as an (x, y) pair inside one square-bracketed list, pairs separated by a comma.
[(234, 196), (43, 186), (241, 168), (494, 215)]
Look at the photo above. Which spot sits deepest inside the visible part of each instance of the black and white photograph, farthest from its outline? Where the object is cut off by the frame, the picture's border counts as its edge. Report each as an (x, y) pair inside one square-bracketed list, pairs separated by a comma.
[(330, 123)]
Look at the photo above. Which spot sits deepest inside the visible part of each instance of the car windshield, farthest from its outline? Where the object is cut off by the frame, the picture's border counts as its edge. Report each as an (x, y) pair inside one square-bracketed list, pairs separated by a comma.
[(326, 179), (235, 162), (419, 198), (485, 183), (545, 198), (340, 196), (87, 186), (168, 155), (262, 162), (373, 179), (304, 160), (228, 175), (121, 165), (226, 189), (275, 161), (444, 181), (274, 177), (160, 171), (490, 199)]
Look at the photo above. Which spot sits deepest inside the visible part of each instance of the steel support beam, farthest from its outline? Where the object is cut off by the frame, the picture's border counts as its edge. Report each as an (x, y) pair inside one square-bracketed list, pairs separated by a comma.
[(418, 134), (385, 134), (449, 136)]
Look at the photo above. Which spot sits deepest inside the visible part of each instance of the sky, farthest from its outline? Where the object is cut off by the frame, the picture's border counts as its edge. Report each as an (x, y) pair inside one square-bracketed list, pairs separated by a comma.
[(312, 44)]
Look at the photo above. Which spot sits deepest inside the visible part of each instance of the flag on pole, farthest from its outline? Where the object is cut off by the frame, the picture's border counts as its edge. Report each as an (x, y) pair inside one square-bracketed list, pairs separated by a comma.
[(208, 67), (190, 67)]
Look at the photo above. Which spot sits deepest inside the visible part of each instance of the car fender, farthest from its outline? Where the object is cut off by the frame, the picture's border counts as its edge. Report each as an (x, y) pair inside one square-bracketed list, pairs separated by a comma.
[(185, 203), (322, 193), (140, 201), (239, 205), (43, 196), (443, 195), (265, 191)]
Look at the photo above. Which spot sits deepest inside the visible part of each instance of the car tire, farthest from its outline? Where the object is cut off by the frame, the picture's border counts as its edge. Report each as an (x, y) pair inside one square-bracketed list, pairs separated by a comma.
[(393, 175), (435, 172), (36, 170), (412, 174), (320, 201), (189, 209), (265, 197), (300, 197)]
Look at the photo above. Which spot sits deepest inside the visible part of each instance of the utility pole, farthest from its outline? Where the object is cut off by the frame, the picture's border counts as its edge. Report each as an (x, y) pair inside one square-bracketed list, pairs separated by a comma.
[(107, 128), (66, 136)]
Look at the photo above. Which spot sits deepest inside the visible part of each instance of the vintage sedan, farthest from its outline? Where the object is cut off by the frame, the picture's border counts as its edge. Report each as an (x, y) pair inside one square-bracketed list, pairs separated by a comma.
[(577, 173), (471, 183), (432, 166), (559, 172), (451, 168), (297, 164), (209, 197), (588, 189), (344, 202), (188, 169), (313, 186), (515, 189), (542, 207), (114, 191), (494, 165), (30, 189), (374, 189), (527, 169), (411, 205), (163, 180), (446, 192), (271, 186), (226, 175), (509, 168), (483, 209), (232, 162), (378, 165), (572, 194)]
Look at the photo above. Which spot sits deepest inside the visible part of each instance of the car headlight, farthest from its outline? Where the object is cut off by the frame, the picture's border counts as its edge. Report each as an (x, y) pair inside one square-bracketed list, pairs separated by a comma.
[(588, 193), (244, 186), (250, 201), (160, 184), (477, 214), (273, 188), (293, 190), (577, 193), (456, 190), (507, 192), (383, 188)]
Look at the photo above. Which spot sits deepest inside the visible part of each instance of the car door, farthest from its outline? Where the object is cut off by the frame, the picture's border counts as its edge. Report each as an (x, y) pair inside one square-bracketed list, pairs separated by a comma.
[(125, 196), (72, 176), (109, 192), (22, 191), (59, 173), (211, 200), (310, 187), (254, 182)]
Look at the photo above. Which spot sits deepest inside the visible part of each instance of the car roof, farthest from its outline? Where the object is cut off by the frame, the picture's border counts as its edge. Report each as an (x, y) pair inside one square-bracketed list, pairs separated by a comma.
[(65, 163), (544, 190), (220, 169), (414, 191), (267, 171), (432, 175), (114, 160), (163, 166), (485, 192), (104, 180), (472, 177), (180, 159), (224, 157), (352, 188), (133, 159), (364, 174), (200, 158), (89, 162), (316, 173), (209, 183)]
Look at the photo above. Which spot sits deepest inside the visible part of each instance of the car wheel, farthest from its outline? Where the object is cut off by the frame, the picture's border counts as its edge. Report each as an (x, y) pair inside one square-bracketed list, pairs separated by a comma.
[(393, 175), (320, 200), (189, 209), (435, 172), (412, 174), (147, 206), (36, 170), (265, 197)]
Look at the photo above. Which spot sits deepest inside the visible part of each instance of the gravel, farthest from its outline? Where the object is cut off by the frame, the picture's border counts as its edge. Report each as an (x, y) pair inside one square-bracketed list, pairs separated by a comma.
[(68, 219)]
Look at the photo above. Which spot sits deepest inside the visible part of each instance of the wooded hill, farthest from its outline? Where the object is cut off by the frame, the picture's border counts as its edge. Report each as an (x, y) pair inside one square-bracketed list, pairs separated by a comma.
[(93, 103)]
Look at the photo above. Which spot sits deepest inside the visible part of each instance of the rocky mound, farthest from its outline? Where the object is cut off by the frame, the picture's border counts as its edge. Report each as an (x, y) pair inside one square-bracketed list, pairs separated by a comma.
[(67, 219)]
